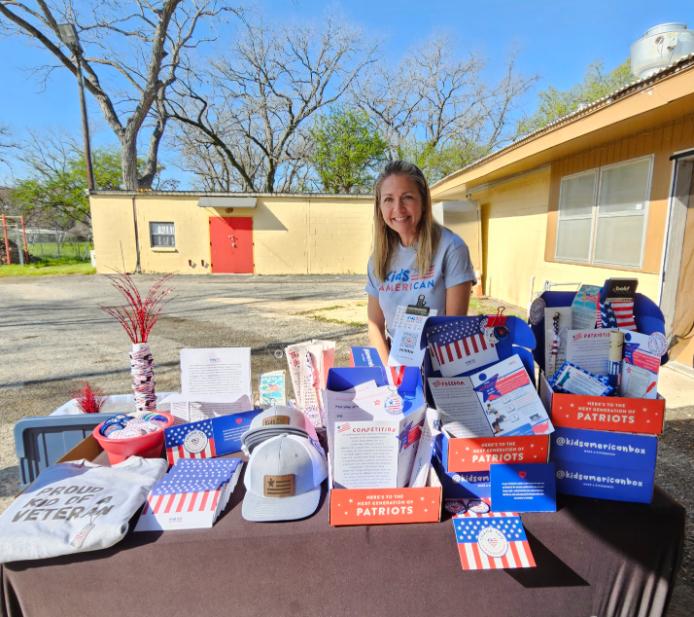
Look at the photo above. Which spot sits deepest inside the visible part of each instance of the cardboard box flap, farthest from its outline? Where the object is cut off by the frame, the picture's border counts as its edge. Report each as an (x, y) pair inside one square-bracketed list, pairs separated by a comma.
[(649, 319)]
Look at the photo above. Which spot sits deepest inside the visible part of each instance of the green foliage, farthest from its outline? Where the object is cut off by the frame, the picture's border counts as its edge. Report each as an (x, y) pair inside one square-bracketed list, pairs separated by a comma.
[(42, 269), (439, 161), (56, 193), (347, 149), (557, 103)]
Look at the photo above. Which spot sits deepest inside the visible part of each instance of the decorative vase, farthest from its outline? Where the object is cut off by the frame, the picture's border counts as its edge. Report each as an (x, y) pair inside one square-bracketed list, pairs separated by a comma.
[(142, 373)]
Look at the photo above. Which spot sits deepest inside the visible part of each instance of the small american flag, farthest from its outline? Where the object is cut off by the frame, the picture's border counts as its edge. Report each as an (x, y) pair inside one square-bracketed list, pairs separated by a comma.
[(633, 354), (193, 440), (492, 541), (460, 346), (618, 314), (344, 427)]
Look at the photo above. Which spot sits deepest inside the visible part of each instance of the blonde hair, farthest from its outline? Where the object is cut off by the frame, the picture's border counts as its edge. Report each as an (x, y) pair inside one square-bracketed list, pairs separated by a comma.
[(386, 240)]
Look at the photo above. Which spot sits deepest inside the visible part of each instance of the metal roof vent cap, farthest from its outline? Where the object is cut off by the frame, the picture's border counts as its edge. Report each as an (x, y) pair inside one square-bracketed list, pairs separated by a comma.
[(659, 47)]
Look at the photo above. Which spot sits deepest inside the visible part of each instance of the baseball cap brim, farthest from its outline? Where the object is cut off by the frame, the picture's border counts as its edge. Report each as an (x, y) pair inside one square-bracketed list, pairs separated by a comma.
[(257, 508)]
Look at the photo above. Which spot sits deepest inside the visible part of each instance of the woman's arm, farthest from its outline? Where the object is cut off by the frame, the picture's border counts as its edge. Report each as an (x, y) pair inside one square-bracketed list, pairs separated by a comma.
[(377, 328), (458, 299)]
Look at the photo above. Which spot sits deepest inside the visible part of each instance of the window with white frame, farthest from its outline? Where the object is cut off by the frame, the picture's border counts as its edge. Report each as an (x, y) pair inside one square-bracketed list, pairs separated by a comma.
[(162, 235), (602, 214)]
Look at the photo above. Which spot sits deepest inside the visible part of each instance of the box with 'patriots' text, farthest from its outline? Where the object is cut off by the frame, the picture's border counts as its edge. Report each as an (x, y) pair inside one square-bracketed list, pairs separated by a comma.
[(603, 413), (604, 464)]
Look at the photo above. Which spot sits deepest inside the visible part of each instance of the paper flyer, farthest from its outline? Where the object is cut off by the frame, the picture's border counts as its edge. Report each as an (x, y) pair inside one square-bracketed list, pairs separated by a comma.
[(509, 399), (216, 373), (365, 455), (641, 365), (462, 414), (422, 462), (309, 363), (523, 488), (461, 346), (589, 350), (272, 389)]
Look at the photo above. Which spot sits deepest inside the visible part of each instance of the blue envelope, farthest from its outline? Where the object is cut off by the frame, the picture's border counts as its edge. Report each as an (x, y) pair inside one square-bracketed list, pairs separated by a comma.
[(523, 488)]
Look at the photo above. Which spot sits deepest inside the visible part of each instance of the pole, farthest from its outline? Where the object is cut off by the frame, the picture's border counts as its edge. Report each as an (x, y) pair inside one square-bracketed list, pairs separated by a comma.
[(138, 267), (8, 255), (85, 122), (24, 238)]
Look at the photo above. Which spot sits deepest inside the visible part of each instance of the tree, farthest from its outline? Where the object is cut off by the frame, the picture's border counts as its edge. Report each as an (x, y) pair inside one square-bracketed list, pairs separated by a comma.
[(129, 57), (244, 122), (435, 107), (346, 149), (555, 103), (56, 192)]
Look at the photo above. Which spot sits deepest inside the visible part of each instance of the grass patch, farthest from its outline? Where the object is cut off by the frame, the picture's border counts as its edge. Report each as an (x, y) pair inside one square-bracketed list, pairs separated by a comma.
[(71, 250), (341, 322), (43, 269)]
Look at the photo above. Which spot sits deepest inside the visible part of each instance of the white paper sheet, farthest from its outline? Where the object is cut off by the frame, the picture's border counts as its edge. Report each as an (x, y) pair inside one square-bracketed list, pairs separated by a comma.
[(222, 373), (365, 454), (589, 349), (405, 346), (425, 449)]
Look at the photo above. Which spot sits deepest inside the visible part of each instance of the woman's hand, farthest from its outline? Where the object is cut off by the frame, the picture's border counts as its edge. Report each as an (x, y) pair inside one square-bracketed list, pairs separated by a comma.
[(377, 328), (458, 299)]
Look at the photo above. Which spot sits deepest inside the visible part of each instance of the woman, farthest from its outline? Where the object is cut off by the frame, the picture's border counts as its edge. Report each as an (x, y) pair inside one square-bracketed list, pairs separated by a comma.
[(415, 261)]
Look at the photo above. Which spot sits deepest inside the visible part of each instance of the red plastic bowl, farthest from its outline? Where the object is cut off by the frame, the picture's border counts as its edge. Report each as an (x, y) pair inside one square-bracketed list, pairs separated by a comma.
[(147, 446)]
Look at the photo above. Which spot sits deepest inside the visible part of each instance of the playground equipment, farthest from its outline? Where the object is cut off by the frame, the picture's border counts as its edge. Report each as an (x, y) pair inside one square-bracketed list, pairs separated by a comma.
[(13, 226)]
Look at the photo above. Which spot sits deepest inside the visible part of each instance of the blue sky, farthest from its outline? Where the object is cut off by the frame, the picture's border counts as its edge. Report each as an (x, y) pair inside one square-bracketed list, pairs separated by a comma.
[(554, 40)]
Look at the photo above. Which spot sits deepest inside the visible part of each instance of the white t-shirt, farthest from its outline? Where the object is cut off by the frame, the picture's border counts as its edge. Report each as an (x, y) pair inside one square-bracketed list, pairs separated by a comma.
[(403, 284)]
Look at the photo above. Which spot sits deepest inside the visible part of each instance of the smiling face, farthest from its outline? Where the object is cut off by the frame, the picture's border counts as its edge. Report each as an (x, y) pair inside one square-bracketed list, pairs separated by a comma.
[(401, 206)]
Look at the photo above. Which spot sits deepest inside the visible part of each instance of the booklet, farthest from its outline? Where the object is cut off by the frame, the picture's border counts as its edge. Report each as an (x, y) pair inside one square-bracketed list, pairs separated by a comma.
[(309, 363), (407, 328), (499, 400), (272, 389), (461, 346), (219, 373), (585, 308), (194, 410)]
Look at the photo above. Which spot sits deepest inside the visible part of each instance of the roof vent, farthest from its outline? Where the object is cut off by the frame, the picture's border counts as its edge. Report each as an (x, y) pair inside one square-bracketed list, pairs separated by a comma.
[(660, 46)]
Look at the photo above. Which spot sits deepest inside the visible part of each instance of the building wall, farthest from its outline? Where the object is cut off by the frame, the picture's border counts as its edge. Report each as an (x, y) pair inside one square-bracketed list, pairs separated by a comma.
[(292, 235), (514, 215)]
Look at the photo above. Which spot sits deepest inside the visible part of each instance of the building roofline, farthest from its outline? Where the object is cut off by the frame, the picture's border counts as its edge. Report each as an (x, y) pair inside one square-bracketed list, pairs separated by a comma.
[(638, 85), (146, 193)]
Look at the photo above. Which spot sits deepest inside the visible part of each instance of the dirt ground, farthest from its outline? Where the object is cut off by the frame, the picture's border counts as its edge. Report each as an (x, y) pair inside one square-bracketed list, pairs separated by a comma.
[(54, 337)]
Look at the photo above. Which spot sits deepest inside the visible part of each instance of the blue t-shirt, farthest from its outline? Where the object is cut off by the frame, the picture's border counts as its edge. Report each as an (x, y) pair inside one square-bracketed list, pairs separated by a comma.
[(450, 266)]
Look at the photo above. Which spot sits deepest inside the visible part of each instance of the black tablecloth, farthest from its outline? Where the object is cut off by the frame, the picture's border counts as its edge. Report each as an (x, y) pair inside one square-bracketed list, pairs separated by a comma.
[(594, 558)]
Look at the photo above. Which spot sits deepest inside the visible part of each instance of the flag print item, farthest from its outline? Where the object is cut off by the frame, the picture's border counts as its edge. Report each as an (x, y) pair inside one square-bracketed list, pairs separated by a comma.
[(618, 314), (460, 346), (492, 541), (193, 440), (497, 386), (192, 495)]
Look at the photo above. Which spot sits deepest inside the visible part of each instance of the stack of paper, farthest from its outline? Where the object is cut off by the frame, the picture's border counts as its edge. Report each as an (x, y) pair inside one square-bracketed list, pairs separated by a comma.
[(309, 364), (191, 495)]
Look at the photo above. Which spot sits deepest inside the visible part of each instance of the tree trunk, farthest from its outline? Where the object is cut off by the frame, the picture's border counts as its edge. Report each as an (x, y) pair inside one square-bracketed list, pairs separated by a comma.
[(128, 157)]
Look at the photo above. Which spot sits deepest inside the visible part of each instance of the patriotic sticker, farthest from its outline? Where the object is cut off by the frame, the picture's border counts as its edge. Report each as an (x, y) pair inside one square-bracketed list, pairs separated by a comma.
[(195, 441), (492, 541), (657, 343)]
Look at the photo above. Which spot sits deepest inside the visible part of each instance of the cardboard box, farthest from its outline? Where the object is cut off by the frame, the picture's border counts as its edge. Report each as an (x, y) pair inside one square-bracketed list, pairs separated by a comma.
[(464, 484), (460, 454), (604, 464), (386, 506), (603, 413)]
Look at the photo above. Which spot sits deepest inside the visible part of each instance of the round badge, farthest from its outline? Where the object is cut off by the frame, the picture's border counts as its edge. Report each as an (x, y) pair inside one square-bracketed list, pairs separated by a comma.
[(657, 343), (478, 506), (492, 542), (393, 404), (536, 314), (195, 441)]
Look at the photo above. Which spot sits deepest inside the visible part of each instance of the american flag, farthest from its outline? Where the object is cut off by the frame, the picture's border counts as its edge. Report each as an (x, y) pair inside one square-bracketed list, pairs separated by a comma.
[(460, 346), (191, 486), (492, 541), (344, 427), (192, 440), (495, 387), (618, 314), (409, 435)]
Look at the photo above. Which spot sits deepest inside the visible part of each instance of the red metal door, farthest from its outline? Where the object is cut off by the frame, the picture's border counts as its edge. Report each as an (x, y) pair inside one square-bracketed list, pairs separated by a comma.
[(231, 244)]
